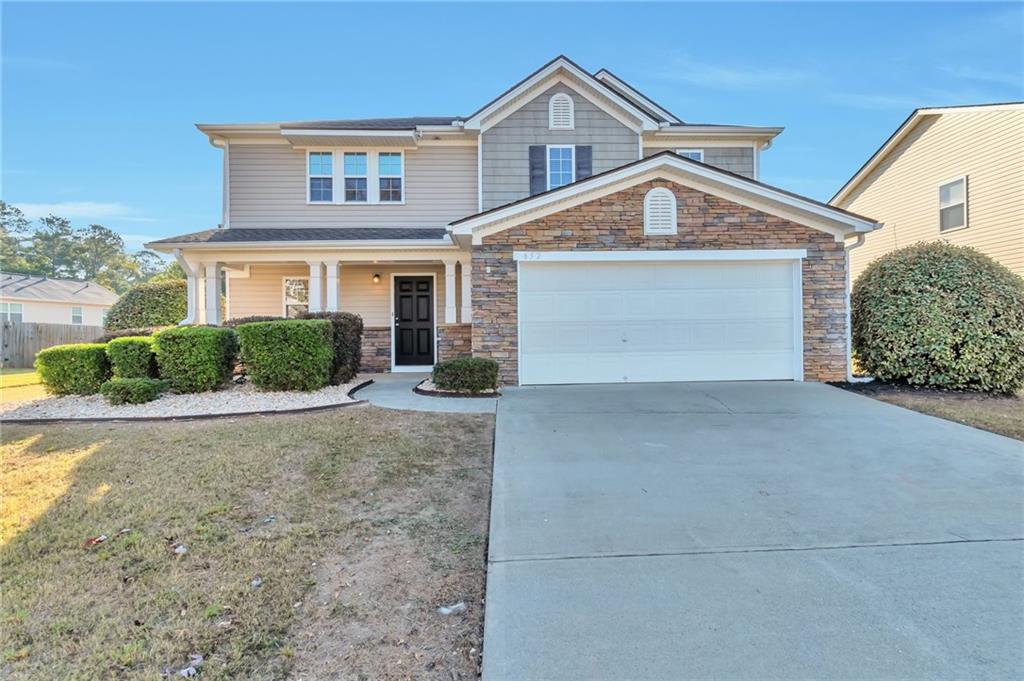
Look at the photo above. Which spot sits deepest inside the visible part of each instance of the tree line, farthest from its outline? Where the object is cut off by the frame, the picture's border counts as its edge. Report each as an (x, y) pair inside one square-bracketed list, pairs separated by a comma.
[(52, 247)]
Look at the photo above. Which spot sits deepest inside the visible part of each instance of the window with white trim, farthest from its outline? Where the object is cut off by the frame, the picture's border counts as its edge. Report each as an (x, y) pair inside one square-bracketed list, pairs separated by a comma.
[(660, 211), (355, 168), (561, 112), (296, 296), (321, 177), (953, 204), (561, 165), (10, 312), (76, 315), (389, 167), (692, 154)]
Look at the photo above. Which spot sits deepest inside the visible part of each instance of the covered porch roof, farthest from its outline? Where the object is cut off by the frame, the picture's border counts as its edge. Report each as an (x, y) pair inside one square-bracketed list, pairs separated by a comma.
[(340, 237)]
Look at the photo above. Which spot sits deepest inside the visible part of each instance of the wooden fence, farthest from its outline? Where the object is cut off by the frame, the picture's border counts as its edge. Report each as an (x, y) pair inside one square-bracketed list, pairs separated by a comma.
[(22, 340)]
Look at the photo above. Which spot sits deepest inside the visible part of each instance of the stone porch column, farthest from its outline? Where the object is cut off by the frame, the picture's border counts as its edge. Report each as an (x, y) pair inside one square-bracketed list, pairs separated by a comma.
[(449, 291), (211, 286), (332, 285), (466, 267), (315, 297)]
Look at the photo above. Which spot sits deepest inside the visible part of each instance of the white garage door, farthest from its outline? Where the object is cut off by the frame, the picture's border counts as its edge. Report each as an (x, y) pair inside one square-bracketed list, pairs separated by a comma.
[(611, 322)]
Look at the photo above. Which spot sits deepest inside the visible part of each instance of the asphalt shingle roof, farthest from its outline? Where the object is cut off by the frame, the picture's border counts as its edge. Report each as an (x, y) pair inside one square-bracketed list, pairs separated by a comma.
[(408, 123), (33, 287), (211, 236)]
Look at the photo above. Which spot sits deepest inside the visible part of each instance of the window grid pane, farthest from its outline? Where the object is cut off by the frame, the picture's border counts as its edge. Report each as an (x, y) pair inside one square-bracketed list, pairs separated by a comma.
[(355, 189), (560, 166), (355, 164), (390, 164), (76, 315), (321, 189), (390, 189), (321, 163)]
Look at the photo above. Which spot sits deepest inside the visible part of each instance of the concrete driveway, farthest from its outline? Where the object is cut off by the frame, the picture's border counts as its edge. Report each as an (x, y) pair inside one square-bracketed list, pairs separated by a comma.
[(749, 531)]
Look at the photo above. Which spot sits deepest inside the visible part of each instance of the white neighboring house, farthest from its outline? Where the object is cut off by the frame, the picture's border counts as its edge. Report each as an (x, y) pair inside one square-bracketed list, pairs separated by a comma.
[(31, 298)]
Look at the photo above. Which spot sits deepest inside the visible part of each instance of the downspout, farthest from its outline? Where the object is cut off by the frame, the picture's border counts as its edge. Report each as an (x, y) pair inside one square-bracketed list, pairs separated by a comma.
[(224, 144), (850, 378), (192, 292)]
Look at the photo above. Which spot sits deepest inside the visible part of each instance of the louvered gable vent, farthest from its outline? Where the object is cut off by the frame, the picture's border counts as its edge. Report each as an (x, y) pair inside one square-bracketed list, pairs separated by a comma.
[(560, 112), (660, 212)]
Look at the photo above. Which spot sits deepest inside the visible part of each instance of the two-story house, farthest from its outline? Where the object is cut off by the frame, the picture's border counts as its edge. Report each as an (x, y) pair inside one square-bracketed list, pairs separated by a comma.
[(571, 228)]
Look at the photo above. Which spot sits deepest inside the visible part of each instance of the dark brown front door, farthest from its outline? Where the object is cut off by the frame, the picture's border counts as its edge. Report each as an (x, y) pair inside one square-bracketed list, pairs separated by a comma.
[(414, 321)]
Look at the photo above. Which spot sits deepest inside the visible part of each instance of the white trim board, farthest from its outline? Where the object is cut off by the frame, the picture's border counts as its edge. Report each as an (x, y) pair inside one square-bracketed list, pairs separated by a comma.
[(661, 256)]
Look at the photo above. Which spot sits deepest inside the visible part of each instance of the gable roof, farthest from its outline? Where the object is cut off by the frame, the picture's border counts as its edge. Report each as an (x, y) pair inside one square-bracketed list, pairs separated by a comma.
[(916, 116), (637, 97), (45, 289), (668, 165)]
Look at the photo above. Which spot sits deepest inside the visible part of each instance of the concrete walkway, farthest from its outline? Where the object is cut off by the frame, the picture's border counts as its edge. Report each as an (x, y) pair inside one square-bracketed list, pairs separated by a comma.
[(749, 531), (394, 391)]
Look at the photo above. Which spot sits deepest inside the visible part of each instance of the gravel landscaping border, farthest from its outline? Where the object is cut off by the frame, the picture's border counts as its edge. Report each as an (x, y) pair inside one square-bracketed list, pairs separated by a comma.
[(424, 387), (350, 402)]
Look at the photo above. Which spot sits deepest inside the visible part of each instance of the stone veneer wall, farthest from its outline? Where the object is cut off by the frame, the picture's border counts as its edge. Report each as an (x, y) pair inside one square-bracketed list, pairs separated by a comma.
[(615, 222), (376, 349), (454, 340)]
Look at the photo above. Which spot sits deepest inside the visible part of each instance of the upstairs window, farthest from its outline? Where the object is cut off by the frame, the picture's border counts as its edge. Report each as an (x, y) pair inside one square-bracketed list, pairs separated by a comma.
[(692, 154), (561, 115), (355, 177), (561, 166), (389, 165), (660, 212), (76, 315), (953, 204), (321, 177), (10, 312)]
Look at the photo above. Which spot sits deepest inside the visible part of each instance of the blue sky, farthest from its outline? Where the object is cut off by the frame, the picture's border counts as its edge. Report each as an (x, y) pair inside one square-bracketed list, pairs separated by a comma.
[(99, 100)]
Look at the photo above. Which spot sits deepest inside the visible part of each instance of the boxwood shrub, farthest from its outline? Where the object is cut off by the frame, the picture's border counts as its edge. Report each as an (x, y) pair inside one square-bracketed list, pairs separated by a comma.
[(196, 358), (121, 333), (133, 390), (939, 315), (154, 304), (294, 354), (466, 374), (132, 357), (348, 343), (238, 321), (76, 369)]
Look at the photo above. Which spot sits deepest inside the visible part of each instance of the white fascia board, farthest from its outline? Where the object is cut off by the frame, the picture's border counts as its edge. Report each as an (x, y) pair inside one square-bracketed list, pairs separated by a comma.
[(371, 256), (635, 173), (293, 132), (404, 244), (603, 75), (717, 131), (661, 256), (475, 121)]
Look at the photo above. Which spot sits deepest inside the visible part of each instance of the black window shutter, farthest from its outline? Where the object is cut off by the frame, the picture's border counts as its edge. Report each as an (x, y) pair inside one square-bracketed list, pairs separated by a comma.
[(538, 169), (584, 162)]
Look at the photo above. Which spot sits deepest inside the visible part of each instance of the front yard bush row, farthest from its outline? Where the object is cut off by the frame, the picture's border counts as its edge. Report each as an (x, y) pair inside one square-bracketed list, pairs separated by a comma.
[(347, 340), (133, 390), (466, 374), (294, 354), (132, 357), (153, 304), (196, 358), (75, 369)]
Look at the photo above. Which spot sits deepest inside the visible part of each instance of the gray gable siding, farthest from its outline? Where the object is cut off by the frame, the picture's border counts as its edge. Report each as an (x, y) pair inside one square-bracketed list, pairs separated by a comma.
[(505, 147), (268, 190), (739, 160)]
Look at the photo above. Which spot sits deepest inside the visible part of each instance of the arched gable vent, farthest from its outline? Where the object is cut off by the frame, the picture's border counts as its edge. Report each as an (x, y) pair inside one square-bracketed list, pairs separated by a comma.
[(660, 212), (561, 115)]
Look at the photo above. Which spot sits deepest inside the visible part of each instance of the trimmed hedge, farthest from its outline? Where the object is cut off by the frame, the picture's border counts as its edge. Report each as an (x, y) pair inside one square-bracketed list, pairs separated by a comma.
[(238, 321), (292, 354), (348, 343), (466, 374), (133, 390), (75, 369), (122, 333), (196, 358), (132, 357), (155, 304), (940, 315)]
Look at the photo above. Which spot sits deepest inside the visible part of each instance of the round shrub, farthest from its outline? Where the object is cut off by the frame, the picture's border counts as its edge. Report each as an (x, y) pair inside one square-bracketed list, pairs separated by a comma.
[(132, 357), (133, 390), (121, 333), (76, 369), (154, 304), (287, 355), (466, 374), (348, 343), (238, 321), (940, 315), (196, 358)]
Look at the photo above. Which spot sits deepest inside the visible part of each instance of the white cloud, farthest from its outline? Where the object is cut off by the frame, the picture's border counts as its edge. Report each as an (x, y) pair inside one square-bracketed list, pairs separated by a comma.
[(685, 69), (86, 211)]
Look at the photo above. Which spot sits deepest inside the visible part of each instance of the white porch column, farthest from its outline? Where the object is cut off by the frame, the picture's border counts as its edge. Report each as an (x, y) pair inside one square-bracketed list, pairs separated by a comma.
[(332, 285), (211, 286), (315, 298), (192, 296), (449, 291), (466, 267)]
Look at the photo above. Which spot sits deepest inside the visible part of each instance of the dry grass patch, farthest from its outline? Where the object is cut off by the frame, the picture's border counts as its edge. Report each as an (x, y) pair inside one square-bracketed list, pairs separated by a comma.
[(355, 524)]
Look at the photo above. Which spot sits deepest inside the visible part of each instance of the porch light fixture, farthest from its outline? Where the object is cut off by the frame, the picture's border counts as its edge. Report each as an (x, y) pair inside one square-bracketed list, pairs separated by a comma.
[(376, 278)]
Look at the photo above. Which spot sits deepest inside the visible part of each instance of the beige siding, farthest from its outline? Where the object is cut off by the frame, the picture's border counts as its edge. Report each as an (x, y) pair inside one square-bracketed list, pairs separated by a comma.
[(262, 292), (903, 191), (43, 312), (268, 189)]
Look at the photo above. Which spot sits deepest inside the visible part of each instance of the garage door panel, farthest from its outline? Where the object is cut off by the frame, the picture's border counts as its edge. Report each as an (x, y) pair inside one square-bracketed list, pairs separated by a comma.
[(586, 322)]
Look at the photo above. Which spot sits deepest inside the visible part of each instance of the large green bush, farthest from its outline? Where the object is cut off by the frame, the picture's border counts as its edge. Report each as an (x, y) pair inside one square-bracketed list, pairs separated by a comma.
[(235, 322), (155, 304), (348, 343), (466, 374), (121, 333), (76, 369), (940, 315), (132, 357), (133, 390), (292, 354), (196, 358)]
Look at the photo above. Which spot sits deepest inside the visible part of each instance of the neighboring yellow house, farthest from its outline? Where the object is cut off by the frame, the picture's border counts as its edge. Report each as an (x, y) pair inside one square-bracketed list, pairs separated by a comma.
[(952, 173), (31, 298)]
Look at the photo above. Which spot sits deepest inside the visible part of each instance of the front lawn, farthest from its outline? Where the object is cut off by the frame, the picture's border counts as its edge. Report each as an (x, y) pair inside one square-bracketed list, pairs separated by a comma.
[(316, 545), (19, 385)]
